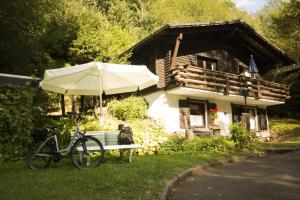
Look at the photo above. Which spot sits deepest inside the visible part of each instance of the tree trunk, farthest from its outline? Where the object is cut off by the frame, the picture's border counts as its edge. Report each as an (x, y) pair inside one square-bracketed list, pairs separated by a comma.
[(73, 101), (94, 107), (62, 104), (82, 104)]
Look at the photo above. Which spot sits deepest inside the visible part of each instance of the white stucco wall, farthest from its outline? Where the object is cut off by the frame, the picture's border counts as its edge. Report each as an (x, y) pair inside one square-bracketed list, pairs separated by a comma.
[(164, 108)]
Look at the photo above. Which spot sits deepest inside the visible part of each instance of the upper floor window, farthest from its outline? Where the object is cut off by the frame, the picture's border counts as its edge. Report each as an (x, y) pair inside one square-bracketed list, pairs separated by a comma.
[(207, 63)]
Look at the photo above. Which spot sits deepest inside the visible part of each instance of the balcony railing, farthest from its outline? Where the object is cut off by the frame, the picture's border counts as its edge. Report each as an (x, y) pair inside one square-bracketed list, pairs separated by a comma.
[(227, 83)]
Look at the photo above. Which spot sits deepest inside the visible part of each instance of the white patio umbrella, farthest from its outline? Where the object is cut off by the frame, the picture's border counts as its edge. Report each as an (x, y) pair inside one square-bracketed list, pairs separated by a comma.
[(94, 78)]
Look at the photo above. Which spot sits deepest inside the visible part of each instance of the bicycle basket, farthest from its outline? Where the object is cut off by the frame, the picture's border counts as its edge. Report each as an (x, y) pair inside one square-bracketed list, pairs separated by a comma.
[(39, 134)]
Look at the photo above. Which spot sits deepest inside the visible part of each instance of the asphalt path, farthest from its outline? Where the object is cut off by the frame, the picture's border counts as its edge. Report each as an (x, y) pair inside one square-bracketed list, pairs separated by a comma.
[(275, 177)]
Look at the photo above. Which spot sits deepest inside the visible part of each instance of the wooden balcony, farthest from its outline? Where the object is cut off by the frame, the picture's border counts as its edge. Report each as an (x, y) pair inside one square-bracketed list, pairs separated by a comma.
[(229, 84)]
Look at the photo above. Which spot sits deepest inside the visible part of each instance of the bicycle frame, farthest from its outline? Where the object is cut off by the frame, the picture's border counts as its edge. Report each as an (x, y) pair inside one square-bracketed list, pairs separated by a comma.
[(64, 151)]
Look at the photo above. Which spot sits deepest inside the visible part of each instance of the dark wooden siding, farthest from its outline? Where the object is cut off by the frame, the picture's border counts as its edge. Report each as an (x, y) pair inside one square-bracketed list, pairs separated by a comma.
[(160, 71), (226, 62)]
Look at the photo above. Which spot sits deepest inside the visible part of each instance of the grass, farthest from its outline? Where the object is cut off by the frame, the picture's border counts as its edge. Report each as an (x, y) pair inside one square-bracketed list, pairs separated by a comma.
[(286, 133), (285, 129), (144, 178)]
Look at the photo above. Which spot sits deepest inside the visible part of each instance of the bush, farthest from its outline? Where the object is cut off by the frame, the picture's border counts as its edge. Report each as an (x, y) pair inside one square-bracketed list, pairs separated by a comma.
[(16, 120), (199, 144), (285, 129), (130, 108), (149, 135), (240, 135)]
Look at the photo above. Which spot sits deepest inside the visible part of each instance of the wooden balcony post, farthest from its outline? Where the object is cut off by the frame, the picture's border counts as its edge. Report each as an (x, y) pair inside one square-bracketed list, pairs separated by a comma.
[(185, 71), (226, 91), (258, 96), (287, 92), (179, 38)]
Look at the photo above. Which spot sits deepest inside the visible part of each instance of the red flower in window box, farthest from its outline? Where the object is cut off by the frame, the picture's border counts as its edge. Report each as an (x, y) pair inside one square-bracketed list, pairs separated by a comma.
[(214, 110), (213, 114)]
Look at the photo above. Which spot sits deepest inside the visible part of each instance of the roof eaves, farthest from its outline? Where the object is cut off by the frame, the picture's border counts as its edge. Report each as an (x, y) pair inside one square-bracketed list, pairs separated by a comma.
[(148, 38), (173, 26), (283, 53), (187, 25)]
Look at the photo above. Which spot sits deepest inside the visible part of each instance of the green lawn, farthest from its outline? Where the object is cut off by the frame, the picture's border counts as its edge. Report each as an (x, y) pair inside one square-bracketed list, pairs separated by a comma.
[(145, 178)]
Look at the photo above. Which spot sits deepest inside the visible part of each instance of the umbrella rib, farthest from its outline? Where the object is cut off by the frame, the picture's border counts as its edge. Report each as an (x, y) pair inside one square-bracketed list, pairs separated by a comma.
[(85, 74), (61, 76), (123, 78)]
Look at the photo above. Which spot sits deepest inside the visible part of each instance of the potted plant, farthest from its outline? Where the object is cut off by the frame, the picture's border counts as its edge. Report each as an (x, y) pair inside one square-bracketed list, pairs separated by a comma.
[(213, 120)]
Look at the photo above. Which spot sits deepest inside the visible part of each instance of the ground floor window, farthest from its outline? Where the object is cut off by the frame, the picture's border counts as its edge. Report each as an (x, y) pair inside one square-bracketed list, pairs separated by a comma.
[(192, 114), (197, 115)]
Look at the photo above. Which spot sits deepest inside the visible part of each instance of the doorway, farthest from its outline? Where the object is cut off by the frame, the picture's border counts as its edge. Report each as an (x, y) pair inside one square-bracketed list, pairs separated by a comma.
[(237, 111)]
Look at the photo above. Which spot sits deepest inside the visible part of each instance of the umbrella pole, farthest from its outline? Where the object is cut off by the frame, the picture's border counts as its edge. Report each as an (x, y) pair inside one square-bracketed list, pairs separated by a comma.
[(100, 107)]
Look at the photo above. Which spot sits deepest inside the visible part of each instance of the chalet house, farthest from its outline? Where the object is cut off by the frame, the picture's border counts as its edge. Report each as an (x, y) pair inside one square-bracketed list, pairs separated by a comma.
[(204, 76)]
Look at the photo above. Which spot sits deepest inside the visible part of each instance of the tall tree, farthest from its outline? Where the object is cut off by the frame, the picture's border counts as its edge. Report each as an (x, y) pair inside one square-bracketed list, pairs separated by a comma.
[(282, 27), (21, 26), (177, 11)]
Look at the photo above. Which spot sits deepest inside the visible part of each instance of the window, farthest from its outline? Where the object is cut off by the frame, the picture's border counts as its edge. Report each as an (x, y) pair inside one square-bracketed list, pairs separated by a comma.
[(207, 63), (197, 115)]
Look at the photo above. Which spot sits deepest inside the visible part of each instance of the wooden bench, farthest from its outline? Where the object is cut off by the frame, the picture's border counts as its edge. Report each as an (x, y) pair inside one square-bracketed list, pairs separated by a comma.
[(109, 140)]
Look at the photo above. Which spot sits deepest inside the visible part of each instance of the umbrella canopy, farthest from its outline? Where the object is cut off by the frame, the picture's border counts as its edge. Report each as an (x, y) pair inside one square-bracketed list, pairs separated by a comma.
[(252, 66), (94, 78)]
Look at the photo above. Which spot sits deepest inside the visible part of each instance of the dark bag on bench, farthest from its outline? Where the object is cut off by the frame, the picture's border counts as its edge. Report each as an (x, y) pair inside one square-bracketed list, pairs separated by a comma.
[(125, 136)]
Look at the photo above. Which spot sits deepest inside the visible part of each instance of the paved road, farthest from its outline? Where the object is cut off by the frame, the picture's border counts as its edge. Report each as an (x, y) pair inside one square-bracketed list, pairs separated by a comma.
[(270, 178)]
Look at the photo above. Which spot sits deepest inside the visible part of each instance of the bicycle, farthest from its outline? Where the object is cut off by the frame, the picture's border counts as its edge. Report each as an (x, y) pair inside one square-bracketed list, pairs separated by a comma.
[(45, 149)]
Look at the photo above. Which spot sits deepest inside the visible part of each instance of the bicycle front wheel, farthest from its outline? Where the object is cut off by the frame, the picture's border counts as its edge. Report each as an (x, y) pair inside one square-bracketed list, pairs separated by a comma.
[(87, 152), (35, 161)]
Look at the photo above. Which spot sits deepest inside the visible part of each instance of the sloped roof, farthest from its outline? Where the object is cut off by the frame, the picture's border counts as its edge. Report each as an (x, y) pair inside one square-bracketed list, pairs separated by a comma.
[(236, 28)]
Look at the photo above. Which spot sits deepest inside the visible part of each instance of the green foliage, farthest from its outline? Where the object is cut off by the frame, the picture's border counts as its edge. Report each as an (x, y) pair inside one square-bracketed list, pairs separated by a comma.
[(17, 116), (98, 40), (282, 25), (240, 135), (20, 34), (129, 108), (190, 11), (285, 129), (149, 135), (37, 35), (48, 34), (193, 146)]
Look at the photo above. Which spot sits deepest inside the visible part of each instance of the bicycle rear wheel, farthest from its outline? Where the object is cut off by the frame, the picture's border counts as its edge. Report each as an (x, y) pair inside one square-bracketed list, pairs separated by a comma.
[(87, 152), (35, 161)]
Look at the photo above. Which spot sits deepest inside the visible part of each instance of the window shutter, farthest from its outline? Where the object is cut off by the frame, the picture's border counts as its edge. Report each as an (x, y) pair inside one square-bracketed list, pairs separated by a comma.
[(184, 110)]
